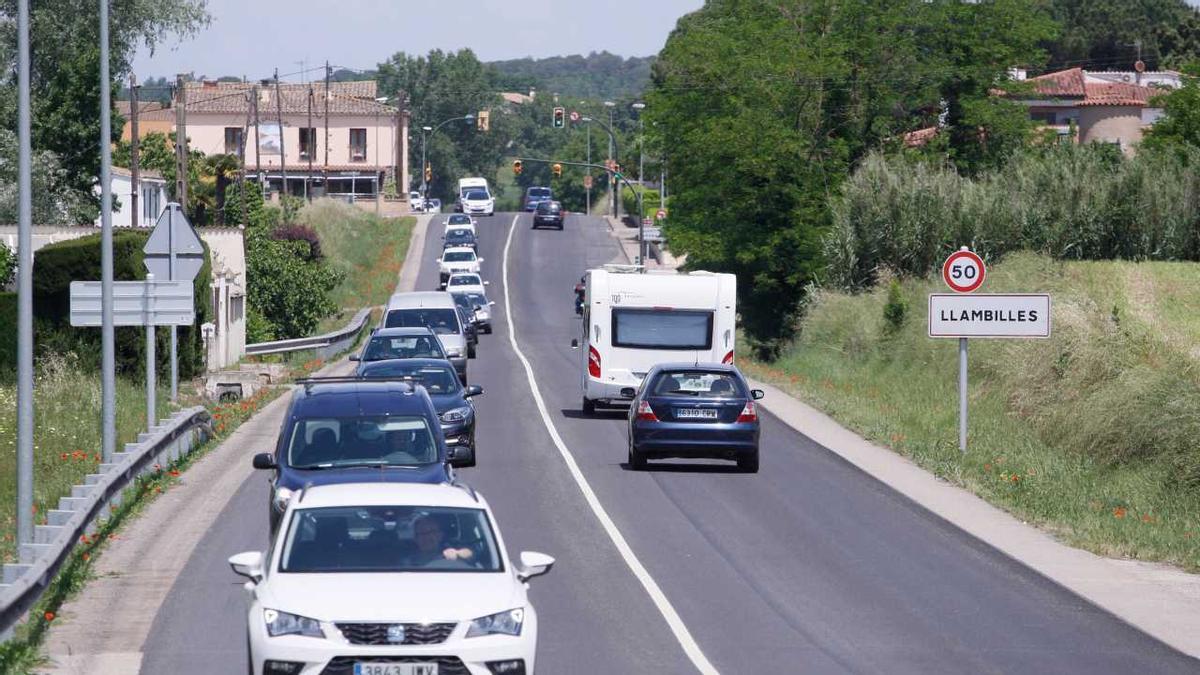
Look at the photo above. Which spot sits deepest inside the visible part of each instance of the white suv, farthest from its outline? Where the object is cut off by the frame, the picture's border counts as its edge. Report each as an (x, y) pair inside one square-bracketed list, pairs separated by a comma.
[(457, 260), (390, 579)]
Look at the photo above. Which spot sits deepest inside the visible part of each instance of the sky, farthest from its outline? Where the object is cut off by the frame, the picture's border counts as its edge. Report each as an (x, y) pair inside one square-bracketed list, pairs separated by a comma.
[(254, 37)]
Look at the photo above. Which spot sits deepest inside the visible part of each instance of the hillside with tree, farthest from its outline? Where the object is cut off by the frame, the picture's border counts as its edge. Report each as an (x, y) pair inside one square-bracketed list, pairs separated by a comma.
[(600, 75)]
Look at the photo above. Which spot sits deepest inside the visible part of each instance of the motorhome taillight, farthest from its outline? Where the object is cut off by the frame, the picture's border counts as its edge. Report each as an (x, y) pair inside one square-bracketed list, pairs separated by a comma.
[(748, 414), (593, 362), (728, 360), (645, 413)]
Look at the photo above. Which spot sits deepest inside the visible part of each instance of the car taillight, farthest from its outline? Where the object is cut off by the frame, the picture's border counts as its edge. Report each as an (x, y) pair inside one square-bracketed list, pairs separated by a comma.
[(645, 413), (748, 414), (728, 360), (593, 362)]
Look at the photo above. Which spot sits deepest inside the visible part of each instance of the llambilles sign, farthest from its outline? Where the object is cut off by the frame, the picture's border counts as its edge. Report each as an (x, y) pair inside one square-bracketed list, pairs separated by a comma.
[(985, 315)]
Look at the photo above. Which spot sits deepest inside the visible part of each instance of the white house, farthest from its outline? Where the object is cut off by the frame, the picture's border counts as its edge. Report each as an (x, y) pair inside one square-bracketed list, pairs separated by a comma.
[(152, 198)]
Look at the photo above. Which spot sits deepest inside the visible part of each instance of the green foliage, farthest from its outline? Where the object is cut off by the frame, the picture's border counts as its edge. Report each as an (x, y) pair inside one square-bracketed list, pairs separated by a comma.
[(1180, 125), (208, 175), (1101, 34), (1065, 201), (629, 202), (57, 265), (54, 202), (597, 75), (895, 310), (8, 265), (8, 336)]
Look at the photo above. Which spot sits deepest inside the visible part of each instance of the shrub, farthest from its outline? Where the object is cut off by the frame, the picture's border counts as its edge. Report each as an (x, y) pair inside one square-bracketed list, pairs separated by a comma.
[(8, 265), (286, 288), (8, 335), (895, 310), (629, 202), (57, 265), (302, 233)]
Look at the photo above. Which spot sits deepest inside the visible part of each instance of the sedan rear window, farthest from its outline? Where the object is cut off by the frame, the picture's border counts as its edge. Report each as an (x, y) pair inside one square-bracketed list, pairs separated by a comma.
[(697, 384), (435, 379), (390, 539)]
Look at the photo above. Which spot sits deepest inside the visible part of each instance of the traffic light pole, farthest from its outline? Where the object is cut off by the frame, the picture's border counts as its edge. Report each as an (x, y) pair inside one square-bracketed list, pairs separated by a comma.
[(620, 177), (616, 153)]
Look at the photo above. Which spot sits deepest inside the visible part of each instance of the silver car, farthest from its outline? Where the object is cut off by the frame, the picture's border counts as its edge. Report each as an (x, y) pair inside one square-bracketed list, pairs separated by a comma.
[(437, 311)]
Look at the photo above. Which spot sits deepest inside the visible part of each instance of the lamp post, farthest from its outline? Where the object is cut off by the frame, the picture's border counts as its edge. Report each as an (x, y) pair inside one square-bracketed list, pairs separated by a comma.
[(468, 118), (611, 152), (639, 106)]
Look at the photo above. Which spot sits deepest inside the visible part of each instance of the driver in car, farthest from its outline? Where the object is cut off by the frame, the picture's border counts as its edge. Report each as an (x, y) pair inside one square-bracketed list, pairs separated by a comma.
[(431, 547)]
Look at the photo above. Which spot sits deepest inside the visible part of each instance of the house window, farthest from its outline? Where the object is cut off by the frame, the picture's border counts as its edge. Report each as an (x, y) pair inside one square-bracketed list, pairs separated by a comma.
[(308, 142), (358, 145), (150, 204), (233, 140)]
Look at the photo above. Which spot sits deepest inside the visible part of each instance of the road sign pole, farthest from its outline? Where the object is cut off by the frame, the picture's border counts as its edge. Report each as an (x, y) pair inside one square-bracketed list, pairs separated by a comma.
[(24, 286), (174, 331), (151, 375), (962, 394), (108, 377)]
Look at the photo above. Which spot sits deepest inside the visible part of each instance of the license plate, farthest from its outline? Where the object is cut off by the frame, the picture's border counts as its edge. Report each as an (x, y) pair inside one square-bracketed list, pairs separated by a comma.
[(696, 413), (361, 668)]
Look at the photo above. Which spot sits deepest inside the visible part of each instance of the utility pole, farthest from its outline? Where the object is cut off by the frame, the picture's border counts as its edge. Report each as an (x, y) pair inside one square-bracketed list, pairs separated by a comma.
[(325, 171), (589, 172), (108, 360), (282, 147), (181, 152), (24, 286), (135, 173), (242, 153), (311, 134), (257, 140), (615, 186)]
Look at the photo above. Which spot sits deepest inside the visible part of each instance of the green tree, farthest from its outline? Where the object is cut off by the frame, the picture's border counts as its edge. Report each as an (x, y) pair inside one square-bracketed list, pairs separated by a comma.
[(1180, 125), (1102, 34), (51, 205)]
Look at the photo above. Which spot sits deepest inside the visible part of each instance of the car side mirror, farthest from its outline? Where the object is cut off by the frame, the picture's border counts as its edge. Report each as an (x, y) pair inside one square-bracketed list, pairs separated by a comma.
[(265, 460), (574, 343), (757, 394), (628, 392), (355, 357), (472, 390), (480, 260), (534, 564), (248, 564), (486, 283), (491, 302)]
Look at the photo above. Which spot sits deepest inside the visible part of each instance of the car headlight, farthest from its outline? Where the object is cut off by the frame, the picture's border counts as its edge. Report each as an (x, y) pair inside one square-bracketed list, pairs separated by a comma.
[(282, 623), (502, 623), (281, 498), (456, 414)]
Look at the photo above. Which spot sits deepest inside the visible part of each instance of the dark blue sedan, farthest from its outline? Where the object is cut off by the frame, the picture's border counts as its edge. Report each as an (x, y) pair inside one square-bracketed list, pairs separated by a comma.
[(345, 430), (694, 410), (450, 398)]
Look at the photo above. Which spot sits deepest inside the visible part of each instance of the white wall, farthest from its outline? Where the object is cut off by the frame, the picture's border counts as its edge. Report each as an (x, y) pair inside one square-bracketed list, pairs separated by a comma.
[(152, 201)]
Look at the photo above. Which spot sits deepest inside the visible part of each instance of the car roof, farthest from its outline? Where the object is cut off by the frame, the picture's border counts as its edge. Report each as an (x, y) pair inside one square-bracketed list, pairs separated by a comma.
[(403, 331), (358, 398), (390, 494), (701, 365), (421, 300), (458, 249)]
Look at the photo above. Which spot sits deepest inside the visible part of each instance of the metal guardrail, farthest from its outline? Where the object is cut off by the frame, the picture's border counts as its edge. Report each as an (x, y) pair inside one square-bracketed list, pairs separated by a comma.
[(326, 345), (80, 513)]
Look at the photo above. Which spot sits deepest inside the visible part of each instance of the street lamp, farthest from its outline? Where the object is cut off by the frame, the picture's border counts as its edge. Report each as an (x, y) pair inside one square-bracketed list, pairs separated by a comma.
[(468, 118), (611, 149), (639, 106)]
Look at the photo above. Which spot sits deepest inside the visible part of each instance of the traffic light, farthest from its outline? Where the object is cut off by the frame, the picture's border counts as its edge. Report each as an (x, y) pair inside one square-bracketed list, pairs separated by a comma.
[(516, 167), (557, 169), (428, 173), (560, 117)]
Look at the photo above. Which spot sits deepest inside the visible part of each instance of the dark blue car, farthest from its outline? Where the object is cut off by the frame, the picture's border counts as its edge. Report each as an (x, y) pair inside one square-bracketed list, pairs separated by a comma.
[(701, 410), (345, 430), (450, 398)]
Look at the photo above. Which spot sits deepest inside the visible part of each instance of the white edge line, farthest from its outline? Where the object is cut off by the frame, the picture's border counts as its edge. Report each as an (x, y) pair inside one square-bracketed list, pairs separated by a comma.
[(674, 622)]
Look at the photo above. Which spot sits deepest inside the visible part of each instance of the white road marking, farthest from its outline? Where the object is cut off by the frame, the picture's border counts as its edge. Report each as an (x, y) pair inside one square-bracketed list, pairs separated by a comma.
[(674, 622)]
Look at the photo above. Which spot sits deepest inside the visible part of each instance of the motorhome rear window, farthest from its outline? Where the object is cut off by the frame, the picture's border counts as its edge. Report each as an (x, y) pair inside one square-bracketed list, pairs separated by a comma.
[(662, 328)]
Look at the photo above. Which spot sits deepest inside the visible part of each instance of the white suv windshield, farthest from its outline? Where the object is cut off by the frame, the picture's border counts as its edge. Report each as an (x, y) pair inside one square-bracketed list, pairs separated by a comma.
[(476, 195), (390, 539), (458, 256), (464, 280)]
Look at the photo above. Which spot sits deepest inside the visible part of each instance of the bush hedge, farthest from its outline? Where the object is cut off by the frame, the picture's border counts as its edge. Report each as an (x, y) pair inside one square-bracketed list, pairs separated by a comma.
[(56, 265), (1069, 202)]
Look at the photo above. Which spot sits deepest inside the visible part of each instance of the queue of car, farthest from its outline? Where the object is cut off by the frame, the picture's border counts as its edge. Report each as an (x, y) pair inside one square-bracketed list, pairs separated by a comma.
[(380, 560)]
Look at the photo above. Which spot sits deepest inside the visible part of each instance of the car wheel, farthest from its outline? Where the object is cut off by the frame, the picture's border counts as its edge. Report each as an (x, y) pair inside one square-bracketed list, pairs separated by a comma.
[(471, 462), (470, 351), (487, 330), (637, 461), (589, 406), (748, 463)]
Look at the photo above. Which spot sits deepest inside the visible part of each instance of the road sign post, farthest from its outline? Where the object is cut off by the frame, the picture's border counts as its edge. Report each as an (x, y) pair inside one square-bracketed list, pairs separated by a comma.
[(964, 316), (174, 252), (151, 357)]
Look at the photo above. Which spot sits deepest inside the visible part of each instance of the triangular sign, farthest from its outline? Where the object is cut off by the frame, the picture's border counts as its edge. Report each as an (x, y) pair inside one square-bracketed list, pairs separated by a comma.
[(173, 224)]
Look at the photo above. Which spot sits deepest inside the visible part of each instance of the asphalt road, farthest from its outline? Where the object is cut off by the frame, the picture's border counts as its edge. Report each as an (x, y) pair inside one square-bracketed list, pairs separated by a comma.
[(808, 566)]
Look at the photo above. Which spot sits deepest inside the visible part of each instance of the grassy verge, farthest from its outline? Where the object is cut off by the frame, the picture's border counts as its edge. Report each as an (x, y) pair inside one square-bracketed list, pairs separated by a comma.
[(368, 249), (21, 652), (1090, 434), (66, 436)]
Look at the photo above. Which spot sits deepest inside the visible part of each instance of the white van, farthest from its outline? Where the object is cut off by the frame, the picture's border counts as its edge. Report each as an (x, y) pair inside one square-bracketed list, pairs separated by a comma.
[(633, 321), (474, 198)]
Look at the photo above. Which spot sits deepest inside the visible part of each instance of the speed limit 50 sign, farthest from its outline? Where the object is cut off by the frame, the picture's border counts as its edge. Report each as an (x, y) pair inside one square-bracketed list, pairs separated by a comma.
[(963, 271)]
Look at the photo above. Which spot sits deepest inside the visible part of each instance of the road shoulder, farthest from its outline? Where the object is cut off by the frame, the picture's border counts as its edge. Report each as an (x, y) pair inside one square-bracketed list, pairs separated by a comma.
[(1157, 599)]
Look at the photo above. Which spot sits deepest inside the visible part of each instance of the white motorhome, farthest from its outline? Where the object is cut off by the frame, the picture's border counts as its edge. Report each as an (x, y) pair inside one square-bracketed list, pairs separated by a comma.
[(465, 184), (633, 321)]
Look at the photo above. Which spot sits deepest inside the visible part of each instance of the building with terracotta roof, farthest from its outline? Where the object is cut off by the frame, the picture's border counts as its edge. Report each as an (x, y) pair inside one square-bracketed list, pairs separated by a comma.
[(1107, 107), (153, 117), (354, 143)]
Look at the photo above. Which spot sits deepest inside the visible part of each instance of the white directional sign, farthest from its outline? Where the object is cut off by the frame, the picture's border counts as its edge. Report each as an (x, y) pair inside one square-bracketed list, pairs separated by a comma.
[(989, 315), (135, 303), (173, 235)]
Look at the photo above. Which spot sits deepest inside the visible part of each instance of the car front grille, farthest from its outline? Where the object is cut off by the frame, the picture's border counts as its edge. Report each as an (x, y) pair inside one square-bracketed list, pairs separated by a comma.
[(414, 633), (447, 665)]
